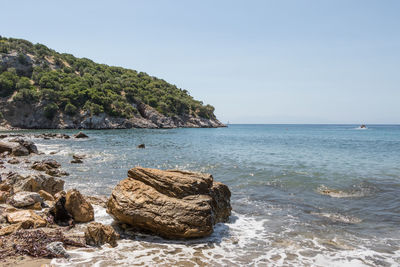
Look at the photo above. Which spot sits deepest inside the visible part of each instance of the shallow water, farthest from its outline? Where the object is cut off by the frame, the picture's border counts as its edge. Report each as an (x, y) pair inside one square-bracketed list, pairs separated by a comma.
[(311, 195)]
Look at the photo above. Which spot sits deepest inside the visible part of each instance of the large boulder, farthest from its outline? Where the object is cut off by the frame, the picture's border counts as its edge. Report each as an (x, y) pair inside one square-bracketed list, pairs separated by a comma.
[(172, 204), (97, 234), (29, 145), (6, 147), (25, 199), (80, 209)]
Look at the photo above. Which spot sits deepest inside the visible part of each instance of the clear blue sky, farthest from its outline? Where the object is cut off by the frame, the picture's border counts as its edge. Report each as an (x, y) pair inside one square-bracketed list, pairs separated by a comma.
[(255, 61)]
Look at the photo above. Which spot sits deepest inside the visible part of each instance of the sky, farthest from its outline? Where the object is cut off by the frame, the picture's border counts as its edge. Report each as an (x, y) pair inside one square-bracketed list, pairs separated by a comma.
[(265, 61)]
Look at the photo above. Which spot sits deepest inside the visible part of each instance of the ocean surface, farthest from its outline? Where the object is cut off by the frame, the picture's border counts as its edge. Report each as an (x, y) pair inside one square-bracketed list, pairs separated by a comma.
[(302, 195)]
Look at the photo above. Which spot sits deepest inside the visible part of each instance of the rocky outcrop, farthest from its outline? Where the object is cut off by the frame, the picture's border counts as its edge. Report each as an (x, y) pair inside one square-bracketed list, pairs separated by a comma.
[(32, 116), (97, 234), (80, 209), (172, 204)]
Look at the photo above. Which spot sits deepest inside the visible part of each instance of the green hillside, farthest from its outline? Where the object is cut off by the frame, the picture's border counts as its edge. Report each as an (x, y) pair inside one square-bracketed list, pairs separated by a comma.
[(34, 73)]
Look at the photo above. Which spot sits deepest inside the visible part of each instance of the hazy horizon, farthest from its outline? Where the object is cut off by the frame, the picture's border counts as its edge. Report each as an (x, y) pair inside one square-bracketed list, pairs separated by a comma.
[(256, 62)]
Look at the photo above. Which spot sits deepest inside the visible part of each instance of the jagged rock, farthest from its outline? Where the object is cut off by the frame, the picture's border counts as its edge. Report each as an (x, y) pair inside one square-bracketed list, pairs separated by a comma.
[(10, 229), (45, 195), (14, 161), (172, 204), (60, 214), (24, 199), (6, 147), (35, 183), (45, 165), (28, 218), (141, 146), (29, 145), (19, 151), (80, 209), (81, 135), (97, 234)]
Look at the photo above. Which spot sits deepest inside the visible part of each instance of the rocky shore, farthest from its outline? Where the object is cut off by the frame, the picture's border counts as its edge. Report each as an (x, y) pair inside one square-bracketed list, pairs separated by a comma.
[(39, 220)]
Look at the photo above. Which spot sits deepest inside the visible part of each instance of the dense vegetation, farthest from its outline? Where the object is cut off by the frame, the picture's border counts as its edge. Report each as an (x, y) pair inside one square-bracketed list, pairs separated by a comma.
[(62, 81)]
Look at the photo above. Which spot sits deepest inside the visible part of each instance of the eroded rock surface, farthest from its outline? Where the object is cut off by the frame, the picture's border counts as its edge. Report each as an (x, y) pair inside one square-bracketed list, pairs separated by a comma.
[(172, 204), (97, 234), (80, 209)]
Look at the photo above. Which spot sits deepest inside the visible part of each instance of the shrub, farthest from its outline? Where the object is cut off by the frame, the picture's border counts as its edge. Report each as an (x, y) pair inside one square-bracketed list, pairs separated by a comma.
[(26, 95), (50, 110), (70, 109)]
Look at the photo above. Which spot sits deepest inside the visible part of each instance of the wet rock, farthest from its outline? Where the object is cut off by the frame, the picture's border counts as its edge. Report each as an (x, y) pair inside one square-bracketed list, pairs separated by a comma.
[(24, 199), (45, 195), (19, 151), (60, 214), (97, 234), (35, 183), (81, 135), (172, 204), (80, 209), (78, 156), (57, 249), (45, 165), (29, 145), (6, 147), (141, 146), (28, 218), (76, 161), (14, 161)]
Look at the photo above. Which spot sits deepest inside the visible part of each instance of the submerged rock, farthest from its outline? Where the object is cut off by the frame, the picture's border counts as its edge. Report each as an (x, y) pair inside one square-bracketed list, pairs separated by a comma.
[(172, 204), (81, 135), (97, 234), (141, 146), (80, 209)]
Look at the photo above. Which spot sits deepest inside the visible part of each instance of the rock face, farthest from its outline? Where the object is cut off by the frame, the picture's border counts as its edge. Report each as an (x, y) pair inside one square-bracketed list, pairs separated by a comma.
[(172, 204), (97, 234), (31, 116), (78, 207)]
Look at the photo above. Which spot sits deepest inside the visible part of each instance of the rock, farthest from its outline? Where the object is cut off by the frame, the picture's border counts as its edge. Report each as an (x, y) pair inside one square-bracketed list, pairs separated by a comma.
[(14, 161), (6, 147), (3, 196), (29, 145), (45, 165), (10, 229), (60, 214), (36, 206), (81, 135), (97, 234), (45, 195), (141, 146), (58, 249), (172, 204), (78, 156), (24, 199), (19, 151), (80, 209), (28, 218), (59, 194), (35, 183), (76, 161)]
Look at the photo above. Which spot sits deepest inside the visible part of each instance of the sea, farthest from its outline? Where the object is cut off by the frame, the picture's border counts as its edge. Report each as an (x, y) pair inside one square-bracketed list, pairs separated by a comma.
[(302, 195)]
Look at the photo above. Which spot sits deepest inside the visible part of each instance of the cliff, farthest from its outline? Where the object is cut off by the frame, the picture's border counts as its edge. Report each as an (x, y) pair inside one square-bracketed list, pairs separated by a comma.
[(41, 88)]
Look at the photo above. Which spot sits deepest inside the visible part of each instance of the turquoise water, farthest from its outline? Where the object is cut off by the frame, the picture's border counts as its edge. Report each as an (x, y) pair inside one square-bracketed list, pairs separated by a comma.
[(322, 195)]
